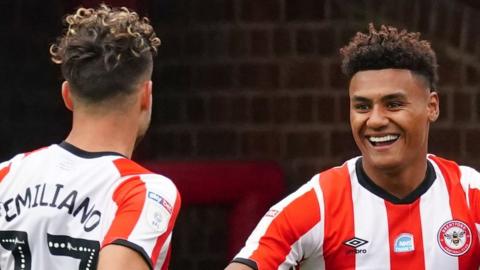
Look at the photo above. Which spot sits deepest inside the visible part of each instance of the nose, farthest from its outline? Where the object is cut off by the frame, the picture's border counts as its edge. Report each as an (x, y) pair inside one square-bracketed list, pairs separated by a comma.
[(377, 118)]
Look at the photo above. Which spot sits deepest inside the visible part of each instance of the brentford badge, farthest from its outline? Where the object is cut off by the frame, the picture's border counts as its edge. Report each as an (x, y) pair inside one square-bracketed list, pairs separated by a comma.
[(454, 237)]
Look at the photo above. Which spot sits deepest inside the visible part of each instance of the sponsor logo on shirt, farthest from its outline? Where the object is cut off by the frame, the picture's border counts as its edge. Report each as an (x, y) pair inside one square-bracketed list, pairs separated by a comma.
[(454, 238), (271, 213), (404, 243), (159, 211), (159, 199), (355, 243)]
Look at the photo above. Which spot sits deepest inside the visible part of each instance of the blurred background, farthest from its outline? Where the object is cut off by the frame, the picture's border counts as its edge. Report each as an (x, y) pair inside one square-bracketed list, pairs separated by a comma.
[(244, 81)]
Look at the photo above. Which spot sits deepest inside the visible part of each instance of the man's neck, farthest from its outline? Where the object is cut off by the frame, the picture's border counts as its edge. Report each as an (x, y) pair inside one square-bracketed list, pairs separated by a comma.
[(399, 182), (108, 133)]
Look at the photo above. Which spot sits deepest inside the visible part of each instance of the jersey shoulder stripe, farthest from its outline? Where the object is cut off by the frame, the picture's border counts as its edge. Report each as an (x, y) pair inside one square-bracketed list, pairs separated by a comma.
[(128, 167), (288, 225), (4, 171), (339, 217)]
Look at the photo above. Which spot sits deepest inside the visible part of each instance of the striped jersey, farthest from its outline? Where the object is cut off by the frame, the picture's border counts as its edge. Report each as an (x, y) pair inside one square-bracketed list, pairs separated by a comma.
[(341, 220), (60, 205)]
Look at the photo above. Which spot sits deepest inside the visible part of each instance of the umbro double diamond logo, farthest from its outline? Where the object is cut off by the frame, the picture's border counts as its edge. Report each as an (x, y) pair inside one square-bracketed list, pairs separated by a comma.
[(355, 243)]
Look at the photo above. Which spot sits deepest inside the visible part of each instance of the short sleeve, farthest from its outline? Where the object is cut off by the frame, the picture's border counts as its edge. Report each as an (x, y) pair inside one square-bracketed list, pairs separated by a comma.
[(147, 207), (281, 239)]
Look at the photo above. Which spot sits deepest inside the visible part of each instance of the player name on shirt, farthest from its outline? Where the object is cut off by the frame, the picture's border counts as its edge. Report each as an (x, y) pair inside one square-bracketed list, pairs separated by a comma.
[(54, 196)]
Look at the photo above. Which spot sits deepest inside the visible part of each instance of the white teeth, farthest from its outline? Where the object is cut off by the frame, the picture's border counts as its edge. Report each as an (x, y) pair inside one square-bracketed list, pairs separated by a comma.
[(383, 138)]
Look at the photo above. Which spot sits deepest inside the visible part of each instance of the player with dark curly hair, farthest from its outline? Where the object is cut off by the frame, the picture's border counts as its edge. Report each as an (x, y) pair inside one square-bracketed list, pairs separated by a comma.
[(395, 206), (83, 204)]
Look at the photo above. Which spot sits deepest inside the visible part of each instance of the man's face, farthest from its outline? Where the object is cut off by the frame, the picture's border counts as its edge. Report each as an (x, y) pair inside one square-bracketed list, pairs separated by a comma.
[(390, 114)]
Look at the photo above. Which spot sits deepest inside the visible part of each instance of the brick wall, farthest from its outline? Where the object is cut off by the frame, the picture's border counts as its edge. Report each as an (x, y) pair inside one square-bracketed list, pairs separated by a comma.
[(243, 80), (246, 79)]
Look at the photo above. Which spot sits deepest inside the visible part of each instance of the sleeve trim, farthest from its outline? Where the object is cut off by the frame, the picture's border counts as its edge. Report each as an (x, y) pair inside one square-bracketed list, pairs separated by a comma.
[(250, 263), (135, 247)]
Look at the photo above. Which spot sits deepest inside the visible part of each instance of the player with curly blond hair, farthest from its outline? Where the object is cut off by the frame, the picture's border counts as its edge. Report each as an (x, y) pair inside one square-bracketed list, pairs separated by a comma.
[(82, 203), (393, 207)]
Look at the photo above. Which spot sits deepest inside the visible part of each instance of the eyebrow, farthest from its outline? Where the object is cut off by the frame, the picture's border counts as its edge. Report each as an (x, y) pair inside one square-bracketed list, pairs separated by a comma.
[(398, 95)]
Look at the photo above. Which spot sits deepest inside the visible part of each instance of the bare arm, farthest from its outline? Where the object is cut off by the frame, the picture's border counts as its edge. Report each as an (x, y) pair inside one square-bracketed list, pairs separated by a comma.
[(237, 266), (116, 257)]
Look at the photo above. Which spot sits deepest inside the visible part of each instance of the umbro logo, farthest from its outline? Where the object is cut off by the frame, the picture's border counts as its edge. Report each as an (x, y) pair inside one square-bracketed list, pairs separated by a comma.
[(355, 243)]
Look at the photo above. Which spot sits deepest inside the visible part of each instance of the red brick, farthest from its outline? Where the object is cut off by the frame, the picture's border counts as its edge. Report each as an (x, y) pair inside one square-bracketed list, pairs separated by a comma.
[(212, 10), (327, 45), (305, 40), (263, 144), (456, 25), (305, 144), (238, 43), (477, 107), (471, 140), (260, 110), (216, 143), (195, 43), (425, 11), (449, 70), (444, 107), (171, 47), (342, 145), (441, 20), (213, 76), (326, 109), (304, 109), (239, 110), (169, 144), (167, 110), (338, 10), (407, 9), (471, 33), (196, 111), (344, 109), (337, 79), (219, 109), (282, 44), (304, 74), (462, 109), (260, 43), (305, 10), (282, 109), (444, 142), (260, 11), (472, 75), (218, 45), (173, 77), (259, 75)]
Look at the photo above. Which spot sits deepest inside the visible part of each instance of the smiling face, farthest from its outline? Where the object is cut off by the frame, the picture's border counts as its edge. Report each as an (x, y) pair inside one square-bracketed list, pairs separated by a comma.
[(390, 114)]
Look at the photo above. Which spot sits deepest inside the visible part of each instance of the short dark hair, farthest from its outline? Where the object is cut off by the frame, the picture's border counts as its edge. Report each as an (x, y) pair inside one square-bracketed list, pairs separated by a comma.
[(105, 52), (390, 48)]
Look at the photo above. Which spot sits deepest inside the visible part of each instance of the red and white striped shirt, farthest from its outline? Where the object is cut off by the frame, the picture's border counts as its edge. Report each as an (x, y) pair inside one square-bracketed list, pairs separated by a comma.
[(59, 205), (341, 220)]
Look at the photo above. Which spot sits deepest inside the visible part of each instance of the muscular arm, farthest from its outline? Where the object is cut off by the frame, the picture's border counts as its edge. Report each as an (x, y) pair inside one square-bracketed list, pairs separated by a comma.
[(116, 257), (237, 266)]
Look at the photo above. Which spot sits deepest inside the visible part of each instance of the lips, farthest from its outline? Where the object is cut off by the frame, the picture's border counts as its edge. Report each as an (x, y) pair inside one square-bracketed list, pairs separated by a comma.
[(383, 139)]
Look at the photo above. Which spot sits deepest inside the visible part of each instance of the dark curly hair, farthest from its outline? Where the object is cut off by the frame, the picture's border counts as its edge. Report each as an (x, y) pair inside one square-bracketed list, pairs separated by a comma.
[(105, 52), (390, 48)]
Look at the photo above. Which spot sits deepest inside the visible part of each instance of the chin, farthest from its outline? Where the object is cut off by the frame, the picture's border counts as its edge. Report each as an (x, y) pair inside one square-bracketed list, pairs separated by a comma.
[(383, 163)]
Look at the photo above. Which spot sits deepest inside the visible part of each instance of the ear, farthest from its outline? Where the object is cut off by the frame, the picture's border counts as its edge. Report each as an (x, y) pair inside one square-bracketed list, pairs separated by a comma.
[(146, 96), (66, 95), (433, 106)]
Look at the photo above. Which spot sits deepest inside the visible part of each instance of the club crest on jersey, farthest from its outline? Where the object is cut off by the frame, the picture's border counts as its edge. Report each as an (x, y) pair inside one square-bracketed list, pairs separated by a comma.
[(454, 237), (404, 243), (158, 212)]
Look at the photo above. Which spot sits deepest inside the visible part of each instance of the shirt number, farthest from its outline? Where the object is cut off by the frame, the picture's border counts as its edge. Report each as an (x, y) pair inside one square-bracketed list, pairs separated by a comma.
[(58, 245)]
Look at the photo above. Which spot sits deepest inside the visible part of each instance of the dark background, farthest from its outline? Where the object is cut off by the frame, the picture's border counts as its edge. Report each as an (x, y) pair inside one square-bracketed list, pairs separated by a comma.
[(243, 80)]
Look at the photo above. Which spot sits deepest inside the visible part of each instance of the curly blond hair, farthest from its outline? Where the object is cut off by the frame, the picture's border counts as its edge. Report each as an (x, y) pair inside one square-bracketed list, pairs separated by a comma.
[(105, 51), (390, 48)]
